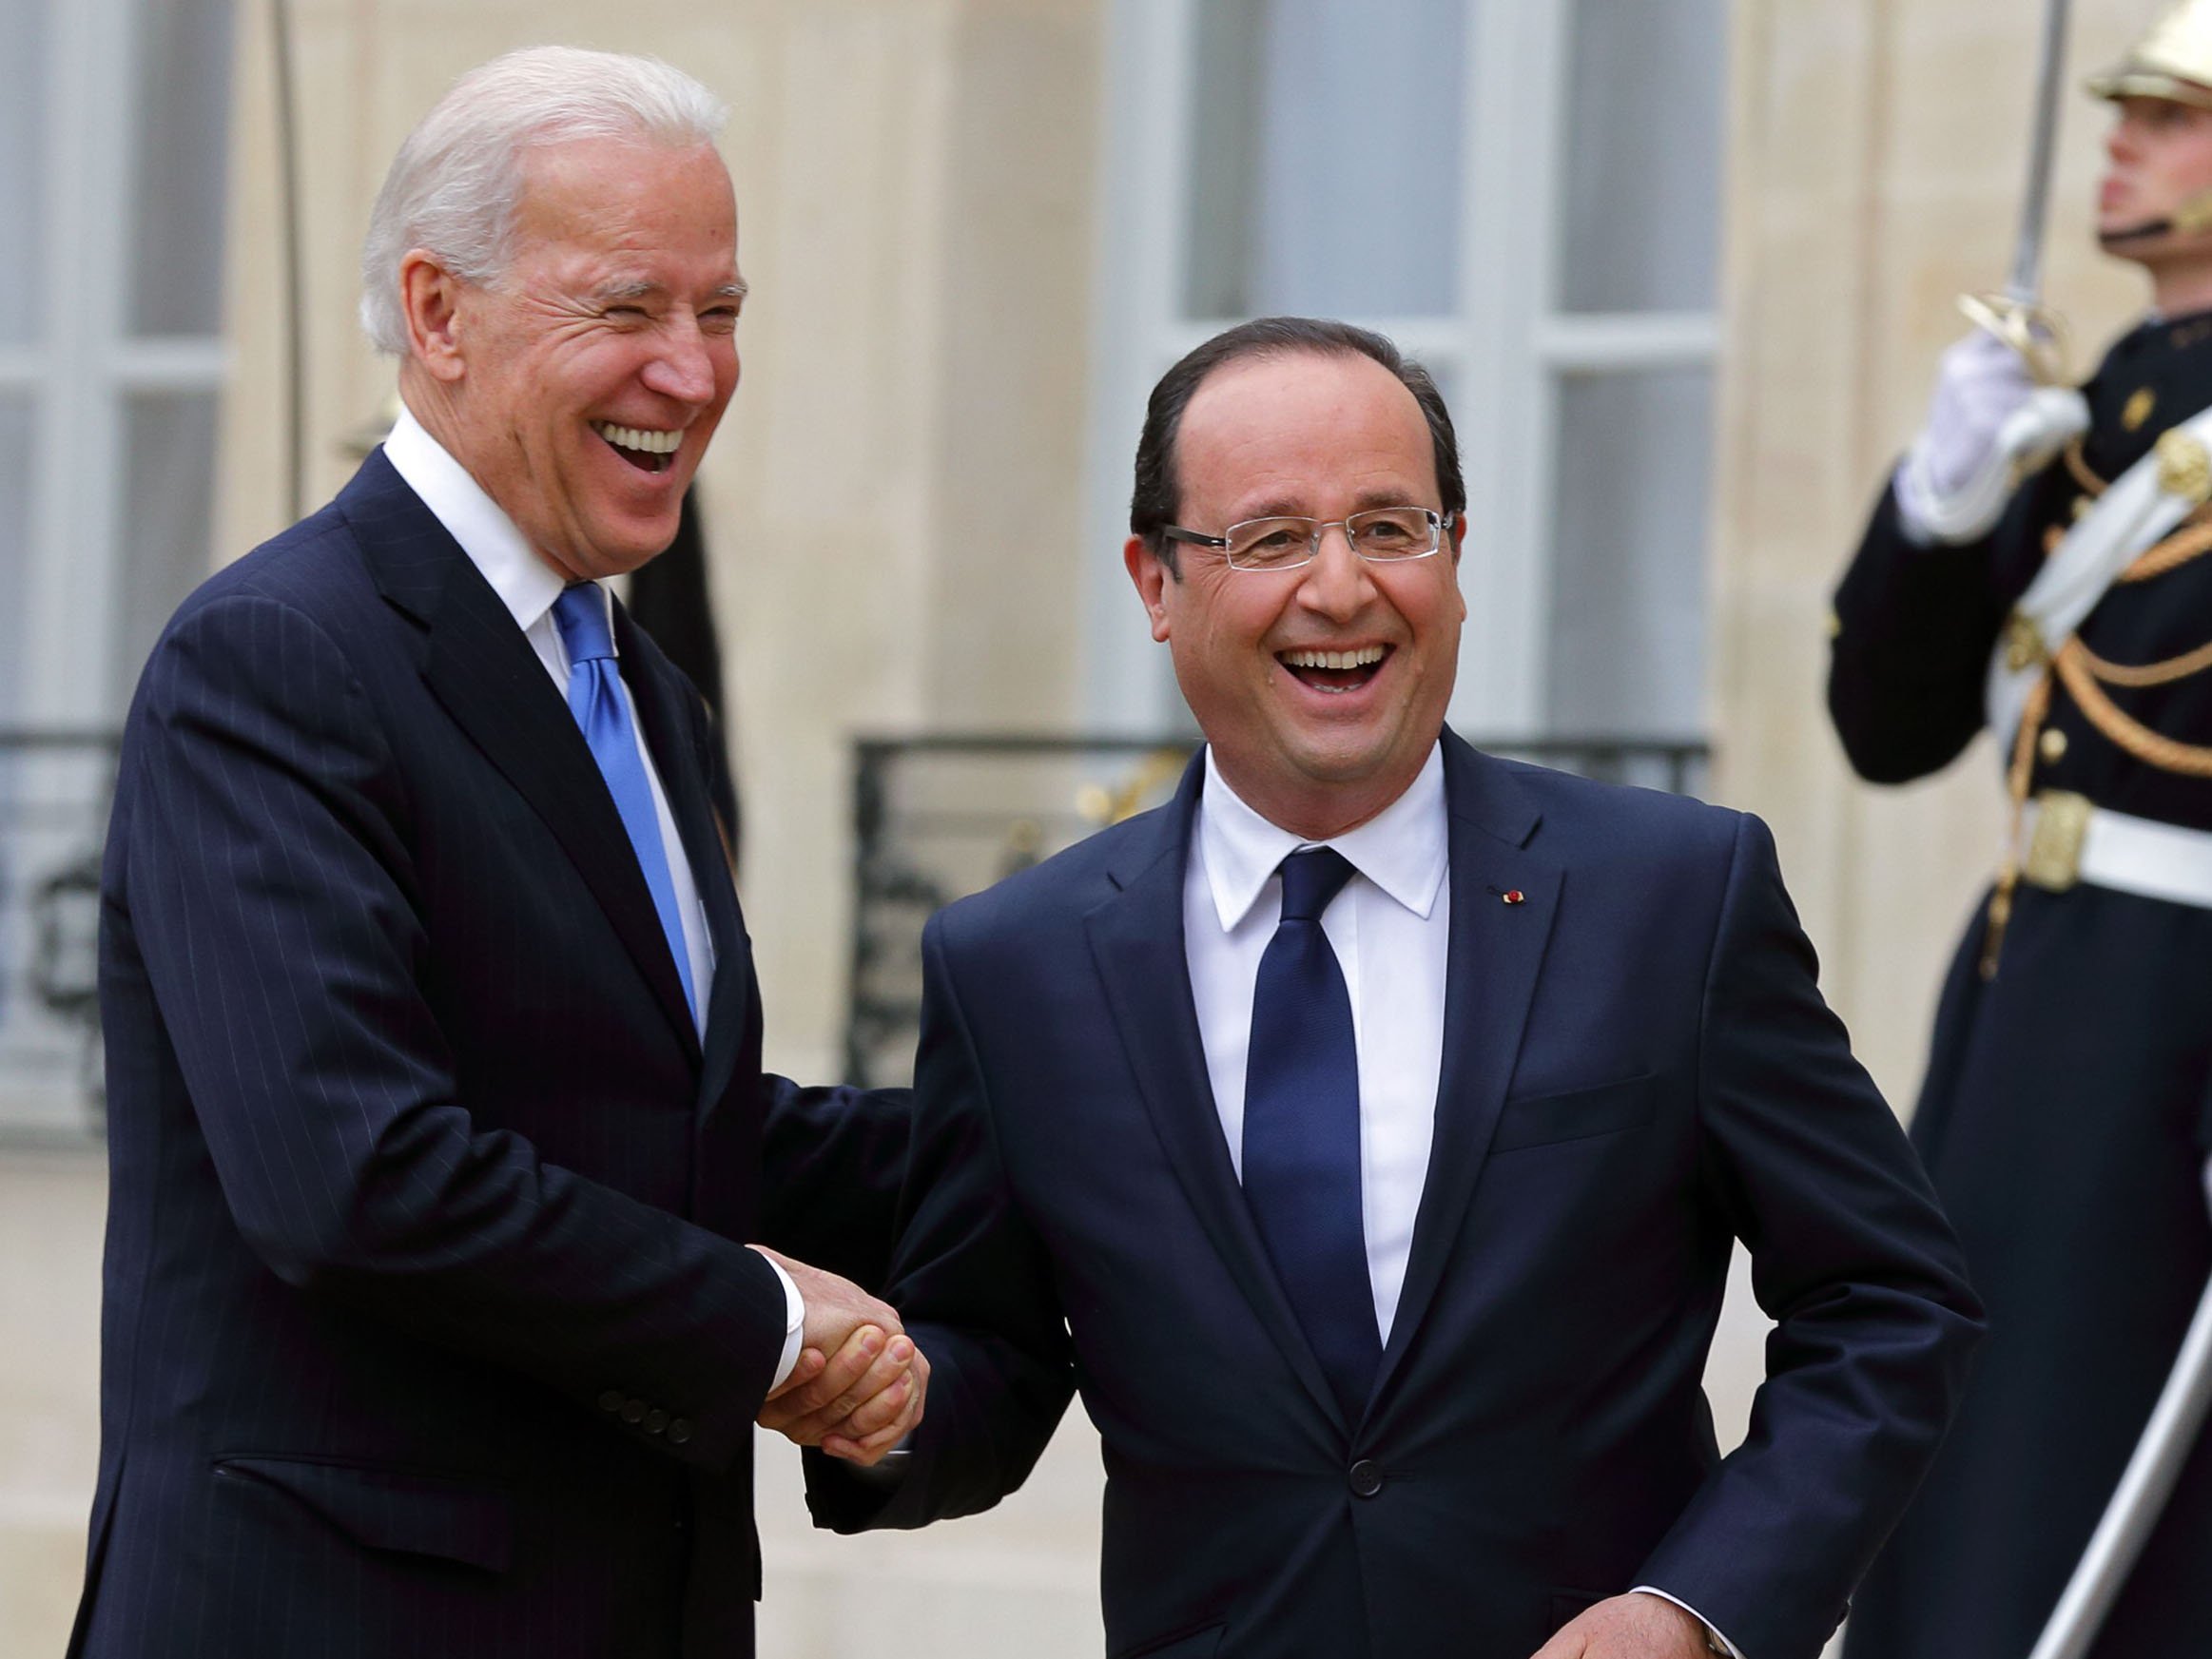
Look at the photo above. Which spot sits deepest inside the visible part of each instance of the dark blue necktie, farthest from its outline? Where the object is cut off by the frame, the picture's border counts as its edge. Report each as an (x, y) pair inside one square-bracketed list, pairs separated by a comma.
[(596, 698), (1302, 1131)]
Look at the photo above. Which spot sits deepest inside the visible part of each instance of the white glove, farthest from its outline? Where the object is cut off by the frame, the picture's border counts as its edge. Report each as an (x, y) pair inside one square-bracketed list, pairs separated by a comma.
[(1987, 423)]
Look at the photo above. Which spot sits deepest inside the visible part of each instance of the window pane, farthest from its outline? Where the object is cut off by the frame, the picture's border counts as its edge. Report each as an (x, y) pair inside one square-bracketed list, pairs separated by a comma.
[(15, 459), (178, 167), (51, 814), (1643, 156), (1627, 636), (23, 127), (1325, 157), (168, 486)]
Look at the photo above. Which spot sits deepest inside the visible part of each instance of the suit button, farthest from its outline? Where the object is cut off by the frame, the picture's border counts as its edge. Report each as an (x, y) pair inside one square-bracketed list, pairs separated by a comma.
[(633, 1411), (611, 1401), (655, 1421), (679, 1431), (1365, 1478)]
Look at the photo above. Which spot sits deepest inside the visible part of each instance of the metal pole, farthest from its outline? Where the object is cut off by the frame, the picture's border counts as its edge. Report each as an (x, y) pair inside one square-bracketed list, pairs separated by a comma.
[(288, 216)]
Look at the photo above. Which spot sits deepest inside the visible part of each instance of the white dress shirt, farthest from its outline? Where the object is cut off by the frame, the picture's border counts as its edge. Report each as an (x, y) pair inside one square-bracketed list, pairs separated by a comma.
[(1390, 928), (527, 586)]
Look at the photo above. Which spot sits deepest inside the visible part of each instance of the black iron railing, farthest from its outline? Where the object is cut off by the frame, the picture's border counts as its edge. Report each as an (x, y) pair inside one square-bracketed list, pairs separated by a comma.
[(934, 817), (944, 815), (55, 791)]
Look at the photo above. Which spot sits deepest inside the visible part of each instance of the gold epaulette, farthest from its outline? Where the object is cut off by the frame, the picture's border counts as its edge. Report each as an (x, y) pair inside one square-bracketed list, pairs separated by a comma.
[(2189, 540)]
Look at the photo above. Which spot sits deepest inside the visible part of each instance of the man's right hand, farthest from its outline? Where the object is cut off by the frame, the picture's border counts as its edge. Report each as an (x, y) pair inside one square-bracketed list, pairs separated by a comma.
[(859, 1381), (1988, 422), (1979, 383)]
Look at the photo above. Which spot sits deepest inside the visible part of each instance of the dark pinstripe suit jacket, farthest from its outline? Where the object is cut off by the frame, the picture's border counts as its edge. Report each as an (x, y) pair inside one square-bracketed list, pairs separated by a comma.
[(428, 1327)]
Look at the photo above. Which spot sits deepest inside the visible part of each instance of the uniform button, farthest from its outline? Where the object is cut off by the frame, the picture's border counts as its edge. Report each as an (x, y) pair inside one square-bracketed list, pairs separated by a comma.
[(655, 1421), (679, 1432), (1365, 1478), (633, 1411), (2053, 745), (611, 1401)]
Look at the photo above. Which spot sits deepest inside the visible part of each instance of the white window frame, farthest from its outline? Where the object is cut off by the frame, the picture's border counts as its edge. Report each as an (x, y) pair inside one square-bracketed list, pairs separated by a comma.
[(78, 375), (1507, 347), (81, 371)]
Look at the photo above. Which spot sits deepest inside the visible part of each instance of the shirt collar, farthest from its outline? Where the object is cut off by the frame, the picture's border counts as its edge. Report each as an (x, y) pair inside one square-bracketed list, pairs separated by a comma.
[(526, 585), (1402, 849)]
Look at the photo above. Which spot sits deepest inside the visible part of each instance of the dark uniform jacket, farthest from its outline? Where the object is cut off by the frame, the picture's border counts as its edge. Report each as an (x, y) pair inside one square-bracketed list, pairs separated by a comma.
[(2065, 1113)]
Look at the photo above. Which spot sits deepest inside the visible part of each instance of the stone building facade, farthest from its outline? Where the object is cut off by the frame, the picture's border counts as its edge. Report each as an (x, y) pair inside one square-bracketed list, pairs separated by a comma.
[(942, 206)]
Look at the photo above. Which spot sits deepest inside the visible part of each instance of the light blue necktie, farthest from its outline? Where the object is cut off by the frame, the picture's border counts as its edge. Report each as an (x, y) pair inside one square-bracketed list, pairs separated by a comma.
[(596, 698)]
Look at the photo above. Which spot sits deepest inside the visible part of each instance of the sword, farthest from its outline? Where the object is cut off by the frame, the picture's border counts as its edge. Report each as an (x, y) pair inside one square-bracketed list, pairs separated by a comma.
[(2139, 1498), (2018, 316)]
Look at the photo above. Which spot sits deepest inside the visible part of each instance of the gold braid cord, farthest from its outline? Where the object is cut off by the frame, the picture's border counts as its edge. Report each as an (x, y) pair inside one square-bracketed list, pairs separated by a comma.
[(2080, 672), (2194, 537), (2163, 673), (2017, 778), (2078, 464), (2085, 675)]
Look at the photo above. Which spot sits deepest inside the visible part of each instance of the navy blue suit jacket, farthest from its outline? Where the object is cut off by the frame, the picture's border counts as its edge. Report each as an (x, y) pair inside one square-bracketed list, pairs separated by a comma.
[(1637, 1070), (429, 1328)]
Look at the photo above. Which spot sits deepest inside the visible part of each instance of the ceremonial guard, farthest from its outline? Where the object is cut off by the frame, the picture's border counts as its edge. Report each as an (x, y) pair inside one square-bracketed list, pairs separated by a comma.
[(2042, 565)]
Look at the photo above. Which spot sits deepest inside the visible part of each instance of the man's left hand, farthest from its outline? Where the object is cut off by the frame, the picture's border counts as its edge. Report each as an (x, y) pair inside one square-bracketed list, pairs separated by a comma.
[(1630, 1626), (861, 1403)]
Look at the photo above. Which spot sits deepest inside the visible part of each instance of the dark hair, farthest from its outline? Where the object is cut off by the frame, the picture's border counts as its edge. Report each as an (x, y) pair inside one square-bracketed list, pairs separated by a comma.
[(1157, 498)]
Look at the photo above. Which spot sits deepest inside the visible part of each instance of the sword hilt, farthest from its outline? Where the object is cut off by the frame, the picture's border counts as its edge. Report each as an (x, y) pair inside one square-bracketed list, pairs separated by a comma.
[(2033, 330)]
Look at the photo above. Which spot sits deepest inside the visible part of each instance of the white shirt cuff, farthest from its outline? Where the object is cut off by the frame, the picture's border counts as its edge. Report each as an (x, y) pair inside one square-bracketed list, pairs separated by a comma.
[(794, 1321), (1718, 1643)]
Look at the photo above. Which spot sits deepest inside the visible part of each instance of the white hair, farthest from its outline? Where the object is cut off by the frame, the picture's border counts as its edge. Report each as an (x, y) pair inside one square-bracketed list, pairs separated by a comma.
[(456, 181)]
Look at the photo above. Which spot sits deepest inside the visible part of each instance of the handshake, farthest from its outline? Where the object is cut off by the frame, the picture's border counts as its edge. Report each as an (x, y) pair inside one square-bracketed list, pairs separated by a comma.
[(859, 1381)]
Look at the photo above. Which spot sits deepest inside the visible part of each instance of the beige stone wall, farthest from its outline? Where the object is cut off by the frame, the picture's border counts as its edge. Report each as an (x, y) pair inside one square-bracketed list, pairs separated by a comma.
[(894, 506), (1876, 151)]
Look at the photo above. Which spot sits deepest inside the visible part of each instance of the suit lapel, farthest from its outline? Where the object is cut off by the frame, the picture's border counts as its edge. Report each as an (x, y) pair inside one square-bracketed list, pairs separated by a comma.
[(1493, 958), (658, 693), (1136, 940), (482, 671)]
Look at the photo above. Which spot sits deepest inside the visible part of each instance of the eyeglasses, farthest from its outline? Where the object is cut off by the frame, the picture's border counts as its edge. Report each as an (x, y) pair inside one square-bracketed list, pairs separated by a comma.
[(1381, 536)]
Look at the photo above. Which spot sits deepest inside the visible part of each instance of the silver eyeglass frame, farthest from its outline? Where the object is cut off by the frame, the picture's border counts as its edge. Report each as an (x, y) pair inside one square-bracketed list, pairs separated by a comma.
[(1439, 524)]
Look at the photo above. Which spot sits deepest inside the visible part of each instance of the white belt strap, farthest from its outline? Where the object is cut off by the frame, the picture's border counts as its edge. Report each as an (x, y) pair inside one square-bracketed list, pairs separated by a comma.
[(2138, 510), (2066, 839)]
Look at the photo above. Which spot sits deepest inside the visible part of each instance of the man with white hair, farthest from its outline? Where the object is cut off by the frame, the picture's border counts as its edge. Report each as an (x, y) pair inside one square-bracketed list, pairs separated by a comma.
[(439, 1132)]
